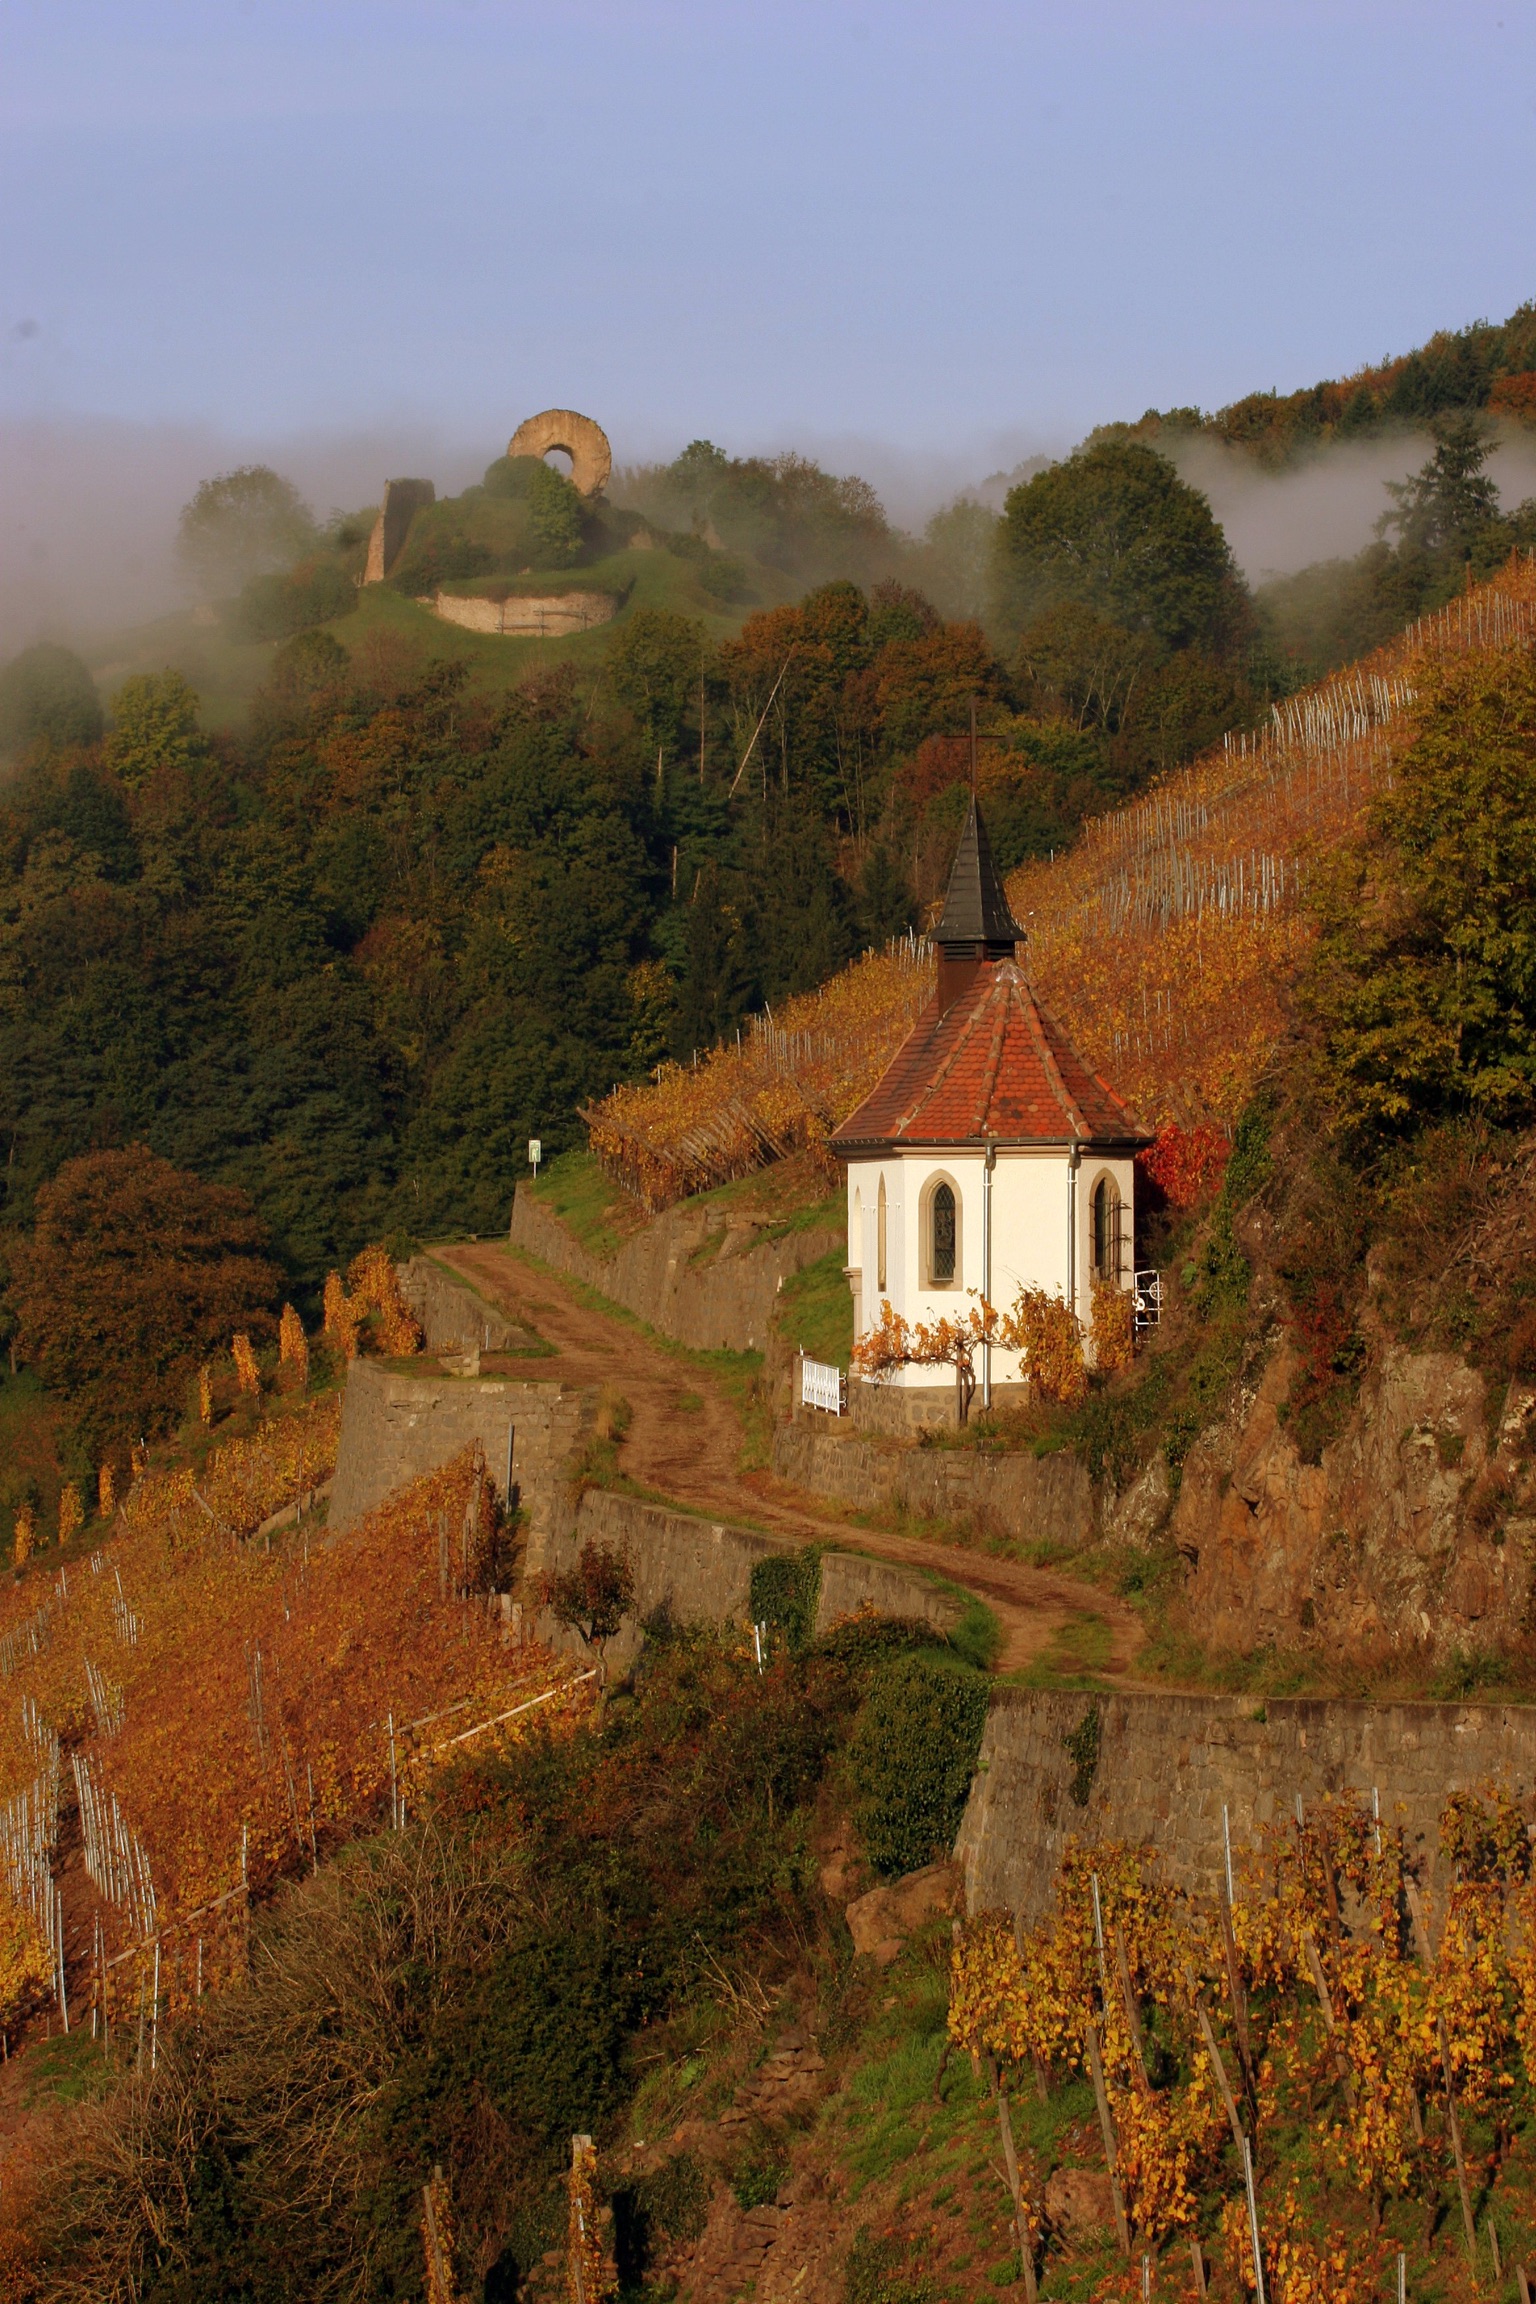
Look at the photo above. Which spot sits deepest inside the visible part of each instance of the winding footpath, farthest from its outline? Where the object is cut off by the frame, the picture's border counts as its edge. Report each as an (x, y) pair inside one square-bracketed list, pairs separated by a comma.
[(684, 1442)]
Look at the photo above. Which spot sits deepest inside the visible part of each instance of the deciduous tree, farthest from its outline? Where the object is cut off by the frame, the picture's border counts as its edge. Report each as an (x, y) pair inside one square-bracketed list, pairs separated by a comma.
[(135, 1271), (1115, 529)]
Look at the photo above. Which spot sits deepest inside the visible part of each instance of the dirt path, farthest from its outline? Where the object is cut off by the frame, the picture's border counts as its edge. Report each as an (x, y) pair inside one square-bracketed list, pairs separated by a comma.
[(685, 1441)]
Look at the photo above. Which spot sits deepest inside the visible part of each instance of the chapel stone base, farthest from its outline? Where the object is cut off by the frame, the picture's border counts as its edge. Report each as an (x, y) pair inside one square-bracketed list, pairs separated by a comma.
[(901, 1411)]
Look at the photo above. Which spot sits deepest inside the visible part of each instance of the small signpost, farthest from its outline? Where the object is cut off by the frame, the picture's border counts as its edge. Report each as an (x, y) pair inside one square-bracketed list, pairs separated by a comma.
[(535, 1155)]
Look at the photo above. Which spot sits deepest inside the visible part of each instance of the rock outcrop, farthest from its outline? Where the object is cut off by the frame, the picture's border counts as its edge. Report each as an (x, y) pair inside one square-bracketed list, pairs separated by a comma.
[(1415, 1530)]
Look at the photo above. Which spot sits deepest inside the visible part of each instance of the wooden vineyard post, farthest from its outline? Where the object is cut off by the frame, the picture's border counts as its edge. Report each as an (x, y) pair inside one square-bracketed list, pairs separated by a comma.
[(1253, 2222), (1244, 2148), (1454, 2123), (1220, 2071), (1325, 1998), (437, 2241), (1107, 2130), (1015, 2184), (1197, 2259), (1234, 1976), (585, 2268)]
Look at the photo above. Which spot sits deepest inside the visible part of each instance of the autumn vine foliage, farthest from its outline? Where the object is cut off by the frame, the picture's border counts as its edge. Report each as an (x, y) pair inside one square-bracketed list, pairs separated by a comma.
[(251, 1706), (293, 1348), (1168, 937), (247, 1374), (372, 1291), (1041, 1328), (590, 2274), (1335, 2001), (1186, 1164), (1113, 1328), (893, 1342), (782, 1087)]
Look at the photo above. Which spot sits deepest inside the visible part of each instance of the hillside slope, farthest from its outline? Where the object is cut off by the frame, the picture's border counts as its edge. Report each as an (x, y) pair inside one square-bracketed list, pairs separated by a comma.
[(1165, 938)]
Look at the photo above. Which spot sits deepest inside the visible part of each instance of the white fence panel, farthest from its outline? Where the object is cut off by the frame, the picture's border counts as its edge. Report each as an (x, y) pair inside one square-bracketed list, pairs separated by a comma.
[(821, 1386)]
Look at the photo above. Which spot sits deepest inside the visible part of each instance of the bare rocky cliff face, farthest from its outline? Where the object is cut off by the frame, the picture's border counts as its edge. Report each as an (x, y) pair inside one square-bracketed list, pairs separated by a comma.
[(1415, 1531)]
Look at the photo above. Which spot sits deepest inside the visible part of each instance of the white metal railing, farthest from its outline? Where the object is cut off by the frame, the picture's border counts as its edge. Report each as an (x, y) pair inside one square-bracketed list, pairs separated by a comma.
[(821, 1386), (1147, 1301)]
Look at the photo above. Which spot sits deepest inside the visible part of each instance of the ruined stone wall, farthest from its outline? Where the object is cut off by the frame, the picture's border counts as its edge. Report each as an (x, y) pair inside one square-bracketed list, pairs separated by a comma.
[(693, 1273), (452, 1315), (1029, 1498), (527, 615), (1167, 1764), (396, 1427), (403, 499)]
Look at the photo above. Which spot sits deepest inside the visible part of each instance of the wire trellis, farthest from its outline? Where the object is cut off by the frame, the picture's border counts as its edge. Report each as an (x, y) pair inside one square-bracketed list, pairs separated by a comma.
[(115, 1859), (107, 1701)]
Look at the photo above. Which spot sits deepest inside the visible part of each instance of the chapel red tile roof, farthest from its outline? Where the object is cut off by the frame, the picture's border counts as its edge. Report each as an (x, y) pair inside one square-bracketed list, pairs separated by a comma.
[(994, 1064)]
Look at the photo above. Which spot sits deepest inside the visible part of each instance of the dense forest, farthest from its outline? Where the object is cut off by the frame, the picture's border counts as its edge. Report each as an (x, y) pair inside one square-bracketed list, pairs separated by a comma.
[(353, 960), (1487, 366)]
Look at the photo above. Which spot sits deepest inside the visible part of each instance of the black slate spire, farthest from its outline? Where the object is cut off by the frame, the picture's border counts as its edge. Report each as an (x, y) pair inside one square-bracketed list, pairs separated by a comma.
[(976, 915)]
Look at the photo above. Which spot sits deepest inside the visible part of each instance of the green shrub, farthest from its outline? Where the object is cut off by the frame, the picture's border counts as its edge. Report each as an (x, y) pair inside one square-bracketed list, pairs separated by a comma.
[(512, 476), (912, 1758), (47, 697), (758, 2178), (867, 1639), (1082, 1746), (554, 515), (296, 600), (874, 2273), (784, 1592), (442, 545)]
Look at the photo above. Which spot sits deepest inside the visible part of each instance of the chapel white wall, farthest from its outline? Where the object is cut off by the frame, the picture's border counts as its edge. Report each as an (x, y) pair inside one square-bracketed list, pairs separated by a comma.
[(1030, 1226)]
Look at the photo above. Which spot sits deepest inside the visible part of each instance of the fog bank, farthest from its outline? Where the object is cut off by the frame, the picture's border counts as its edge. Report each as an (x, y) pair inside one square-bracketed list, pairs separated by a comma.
[(88, 508), (1325, 508)]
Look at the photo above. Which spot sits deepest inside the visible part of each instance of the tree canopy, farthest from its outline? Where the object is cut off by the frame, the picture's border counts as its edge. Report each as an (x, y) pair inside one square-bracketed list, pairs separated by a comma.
[(47, 697), (1114, 529), (1423, 988), (135, 1271), (242, 524)]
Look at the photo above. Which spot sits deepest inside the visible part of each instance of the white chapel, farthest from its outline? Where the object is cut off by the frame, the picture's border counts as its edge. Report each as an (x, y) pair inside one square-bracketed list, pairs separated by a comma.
[(989, 1156)]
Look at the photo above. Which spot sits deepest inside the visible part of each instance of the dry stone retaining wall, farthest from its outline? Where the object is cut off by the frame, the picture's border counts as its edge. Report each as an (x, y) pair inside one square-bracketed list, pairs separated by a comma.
[(527, 615), (1029, 1498), (1166, 1765), (703, 1569), (396, 1427), (452, 1316), (722, 1301)]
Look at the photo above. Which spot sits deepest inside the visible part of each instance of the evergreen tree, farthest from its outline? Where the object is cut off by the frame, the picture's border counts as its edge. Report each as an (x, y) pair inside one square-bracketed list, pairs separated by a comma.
[(1445, 504)]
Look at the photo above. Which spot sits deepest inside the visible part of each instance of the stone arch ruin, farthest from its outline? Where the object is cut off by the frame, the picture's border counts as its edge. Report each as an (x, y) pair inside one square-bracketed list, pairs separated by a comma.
[(584, 442)]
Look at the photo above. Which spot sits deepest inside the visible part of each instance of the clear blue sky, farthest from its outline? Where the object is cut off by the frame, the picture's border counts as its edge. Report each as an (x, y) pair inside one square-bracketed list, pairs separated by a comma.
[(940, 226)]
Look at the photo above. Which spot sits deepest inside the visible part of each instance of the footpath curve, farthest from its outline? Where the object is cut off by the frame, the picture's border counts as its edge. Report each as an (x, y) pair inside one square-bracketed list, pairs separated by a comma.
[(684, 1442)]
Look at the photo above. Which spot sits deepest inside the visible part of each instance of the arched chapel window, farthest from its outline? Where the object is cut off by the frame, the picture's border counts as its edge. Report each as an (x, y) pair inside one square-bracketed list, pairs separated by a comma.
[(1106, 1230), (942, 1217), (880, 1236)]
